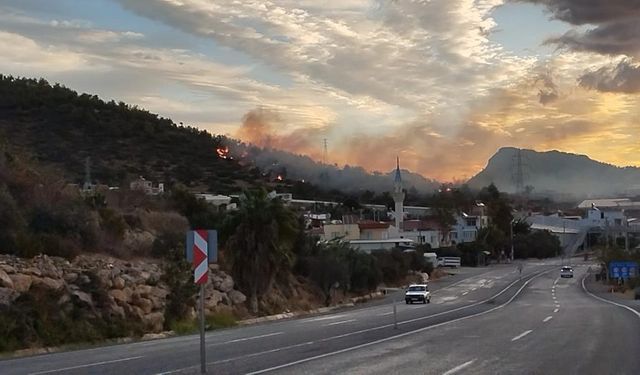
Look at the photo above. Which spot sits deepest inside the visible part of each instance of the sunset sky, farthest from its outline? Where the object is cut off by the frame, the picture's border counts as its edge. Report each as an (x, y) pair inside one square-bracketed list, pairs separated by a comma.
[(442, 83)]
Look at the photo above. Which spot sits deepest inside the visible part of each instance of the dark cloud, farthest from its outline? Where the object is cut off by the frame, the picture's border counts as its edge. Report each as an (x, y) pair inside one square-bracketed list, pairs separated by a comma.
[(614, 38), (580, 12), (623, 77), (549, 91), (616, 25)]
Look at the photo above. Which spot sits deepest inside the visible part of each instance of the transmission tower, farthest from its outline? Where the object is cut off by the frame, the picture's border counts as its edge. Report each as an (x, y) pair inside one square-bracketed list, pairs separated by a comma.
[(519, 175), (324, 151)]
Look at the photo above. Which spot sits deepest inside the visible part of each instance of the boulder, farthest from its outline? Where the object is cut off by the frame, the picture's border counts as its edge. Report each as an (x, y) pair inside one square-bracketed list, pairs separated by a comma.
[(154, 321), (145, 304), (213, 298), (83, 297), (159, 292), (21, 283), (70, 277), (64, 299), (7, 268), (223, 283), (144, 290), (33, 271), (237, 297), (48, 283), (118, 282), (158, 303), (119, 296), (7, 296), (5, 280)]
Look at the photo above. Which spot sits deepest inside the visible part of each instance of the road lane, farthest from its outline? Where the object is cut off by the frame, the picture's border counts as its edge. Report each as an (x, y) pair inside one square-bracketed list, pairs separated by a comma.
[(261, 346), (586, 336)]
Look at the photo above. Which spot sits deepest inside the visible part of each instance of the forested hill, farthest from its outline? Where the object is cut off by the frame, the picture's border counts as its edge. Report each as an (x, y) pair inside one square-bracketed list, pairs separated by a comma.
[(60, 127)]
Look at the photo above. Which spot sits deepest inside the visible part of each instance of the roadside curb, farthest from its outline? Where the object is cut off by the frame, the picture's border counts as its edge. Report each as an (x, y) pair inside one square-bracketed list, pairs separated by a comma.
[(321, 310)]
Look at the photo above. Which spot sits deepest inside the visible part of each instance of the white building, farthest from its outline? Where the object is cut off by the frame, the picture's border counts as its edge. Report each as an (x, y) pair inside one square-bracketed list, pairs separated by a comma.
[(142, 184)]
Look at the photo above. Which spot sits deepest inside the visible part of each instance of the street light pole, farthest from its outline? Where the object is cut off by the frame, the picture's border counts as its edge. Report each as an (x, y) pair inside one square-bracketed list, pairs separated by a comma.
[(511, 235)]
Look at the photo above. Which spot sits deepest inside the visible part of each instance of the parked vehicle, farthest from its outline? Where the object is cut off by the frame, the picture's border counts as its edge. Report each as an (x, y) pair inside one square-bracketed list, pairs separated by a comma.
[(449, 262)]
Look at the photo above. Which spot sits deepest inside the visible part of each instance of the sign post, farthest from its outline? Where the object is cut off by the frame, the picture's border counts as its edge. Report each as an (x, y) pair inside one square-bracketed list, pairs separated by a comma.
[(202, 249)]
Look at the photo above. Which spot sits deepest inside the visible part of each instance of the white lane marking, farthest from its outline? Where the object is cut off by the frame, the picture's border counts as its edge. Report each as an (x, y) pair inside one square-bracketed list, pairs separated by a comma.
[(607, 301), (254, 337), (472, 289), (523, 334), (387, 313), (370, 343), (85, 366), (556, 310), (330, 317), (556, 281), (548, 318), (459, 367), (465, 293), (340, 322)]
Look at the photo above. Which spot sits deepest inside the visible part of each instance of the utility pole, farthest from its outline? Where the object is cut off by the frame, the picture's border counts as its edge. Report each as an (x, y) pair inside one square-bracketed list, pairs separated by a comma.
[(324, 151), (511, 235)]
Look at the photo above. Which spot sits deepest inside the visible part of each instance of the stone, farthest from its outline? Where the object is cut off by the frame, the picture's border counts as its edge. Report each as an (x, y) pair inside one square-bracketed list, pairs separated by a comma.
[(118, 282), (21, 283), (224, 283), (83, 279), (237, 297), (158, 303), (7, 268), (64, 299), (144, 290), (83, 297), (48, 283), (118, 295), (7, 296), (117, 311), (145, 304), (154, 321), (5, 280), (214, 298), (159, 292), (33, 271), (70, 277)]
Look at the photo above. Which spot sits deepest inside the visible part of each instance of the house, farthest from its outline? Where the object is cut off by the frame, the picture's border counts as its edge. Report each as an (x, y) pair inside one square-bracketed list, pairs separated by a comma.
[(339, 230), (373, 230), (141, 184), (466, 227), (421, 232)]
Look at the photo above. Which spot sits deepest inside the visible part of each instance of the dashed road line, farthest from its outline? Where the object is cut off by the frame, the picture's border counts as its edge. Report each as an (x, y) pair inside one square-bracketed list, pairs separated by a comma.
[(459, 367), (341, 322), (523, 334), (548, 318)]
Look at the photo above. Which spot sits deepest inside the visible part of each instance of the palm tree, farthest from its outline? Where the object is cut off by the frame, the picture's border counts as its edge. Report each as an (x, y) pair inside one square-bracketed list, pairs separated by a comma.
[(263, 232)]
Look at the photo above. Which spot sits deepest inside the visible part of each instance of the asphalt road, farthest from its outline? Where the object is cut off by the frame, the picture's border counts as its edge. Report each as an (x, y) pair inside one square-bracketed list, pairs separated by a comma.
[(487, 321)]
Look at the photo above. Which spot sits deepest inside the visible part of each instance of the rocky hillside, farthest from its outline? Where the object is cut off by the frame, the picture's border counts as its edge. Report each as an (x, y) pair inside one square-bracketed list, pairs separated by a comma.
[(48, 301), (557, 173)]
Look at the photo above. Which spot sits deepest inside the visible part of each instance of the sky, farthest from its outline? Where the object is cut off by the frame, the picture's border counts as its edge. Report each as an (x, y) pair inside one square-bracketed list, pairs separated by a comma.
[(443, 84)]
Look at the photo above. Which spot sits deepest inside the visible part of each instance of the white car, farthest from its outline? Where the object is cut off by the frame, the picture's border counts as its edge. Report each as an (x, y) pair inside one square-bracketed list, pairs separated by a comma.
[(417, 292), (566, 271)]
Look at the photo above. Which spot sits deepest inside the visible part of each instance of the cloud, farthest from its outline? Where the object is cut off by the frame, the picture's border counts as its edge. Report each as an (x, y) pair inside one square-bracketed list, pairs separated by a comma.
[(623, 78), (549, 91)]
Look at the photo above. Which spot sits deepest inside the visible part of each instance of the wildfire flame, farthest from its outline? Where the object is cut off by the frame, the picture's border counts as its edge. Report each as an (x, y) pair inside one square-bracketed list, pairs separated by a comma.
[(223, 152), (279, 178)]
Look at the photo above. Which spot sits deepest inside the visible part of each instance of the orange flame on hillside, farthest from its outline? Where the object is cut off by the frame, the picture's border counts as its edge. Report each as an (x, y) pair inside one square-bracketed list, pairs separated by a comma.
[(223, 153)]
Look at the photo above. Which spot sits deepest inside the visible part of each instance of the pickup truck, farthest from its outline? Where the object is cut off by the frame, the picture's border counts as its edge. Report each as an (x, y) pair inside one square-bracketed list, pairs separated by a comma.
[(417, 292)]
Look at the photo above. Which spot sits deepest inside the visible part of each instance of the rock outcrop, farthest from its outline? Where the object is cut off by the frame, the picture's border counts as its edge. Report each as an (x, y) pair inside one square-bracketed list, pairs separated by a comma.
[(107, 287)]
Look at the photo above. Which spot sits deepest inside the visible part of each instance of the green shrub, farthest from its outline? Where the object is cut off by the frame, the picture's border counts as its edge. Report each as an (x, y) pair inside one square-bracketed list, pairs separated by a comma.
[(219, 320), (184, 326)]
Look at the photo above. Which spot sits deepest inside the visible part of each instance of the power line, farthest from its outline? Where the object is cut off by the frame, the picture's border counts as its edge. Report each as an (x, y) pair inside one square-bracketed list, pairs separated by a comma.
[(324, 151)]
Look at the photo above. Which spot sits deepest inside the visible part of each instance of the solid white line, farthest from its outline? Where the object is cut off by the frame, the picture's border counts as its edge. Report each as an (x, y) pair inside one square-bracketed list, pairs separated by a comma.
[(548, 318), (460, 367), (254, 337), (84, 366), (523, 334), (364, 345), (330, 317), (556, 310), (340, 322), (607, 301), (387, 313)]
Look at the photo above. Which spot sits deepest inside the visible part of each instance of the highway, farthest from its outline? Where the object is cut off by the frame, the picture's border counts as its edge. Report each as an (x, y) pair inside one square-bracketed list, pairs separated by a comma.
[(481, 321)]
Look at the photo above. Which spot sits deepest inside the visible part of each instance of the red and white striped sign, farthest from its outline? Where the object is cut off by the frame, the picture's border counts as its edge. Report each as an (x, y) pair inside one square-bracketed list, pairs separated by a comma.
[(200, 254)]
